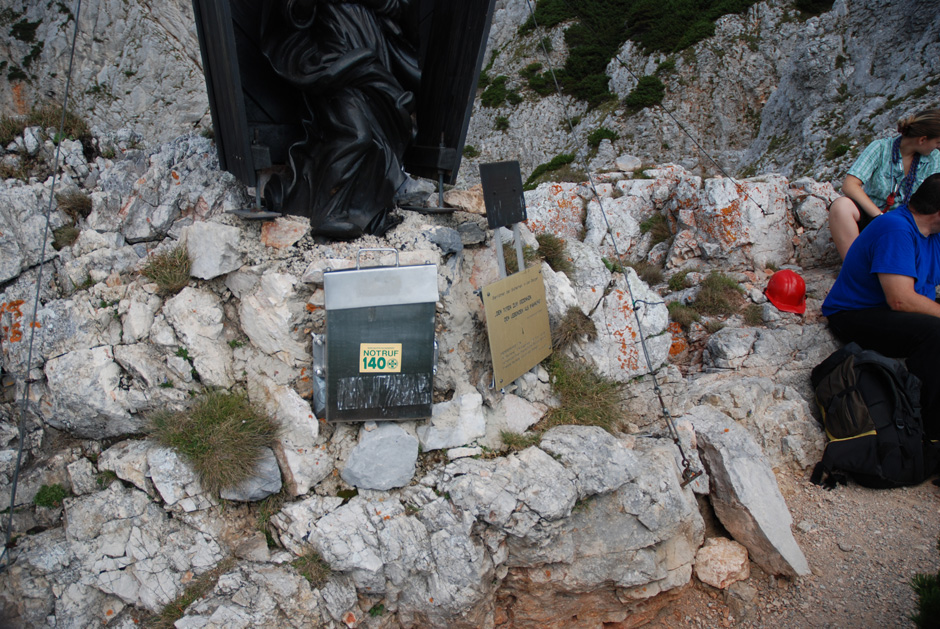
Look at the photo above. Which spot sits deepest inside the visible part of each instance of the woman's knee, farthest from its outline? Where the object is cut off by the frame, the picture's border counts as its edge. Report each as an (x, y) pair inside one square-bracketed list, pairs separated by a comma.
[(842, 210)]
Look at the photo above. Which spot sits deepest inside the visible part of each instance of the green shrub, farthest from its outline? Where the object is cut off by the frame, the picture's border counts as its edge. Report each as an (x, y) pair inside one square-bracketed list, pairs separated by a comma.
[(836, 146), (222, 436), (50, 496), (169, 269), (497, 93), (647, 271), (313, 568), (470, 151), (599, 135), (675, 25), (572, 327), (587, 398), (552, 165), (509, 257), (814, 7), (679, 280), (501, 123), (552, 250), (649, 92), (666, 66)]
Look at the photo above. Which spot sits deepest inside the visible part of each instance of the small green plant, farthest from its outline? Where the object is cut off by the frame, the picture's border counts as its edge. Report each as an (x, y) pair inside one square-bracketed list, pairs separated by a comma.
[(927, 588), (376, 610), (587, 398), (683, 315), (104, 478), (470, 151), (572, 327), (497, 93), (75, 203), (517, 442), (649, 92), (753, 315), (197, 589), (266, 509), (599, 135), (713, 326), (613, 266), (65, 236), (718, 295), (169, 269), (657, 226), (679, 280), (222, 436), (501, 123), (312, 567), (647, 271), (50, 496), (552, 165), (511, 260), (183, 353), (236, 343), (166, 384), (837, 146), (552, 250), (666, 66)]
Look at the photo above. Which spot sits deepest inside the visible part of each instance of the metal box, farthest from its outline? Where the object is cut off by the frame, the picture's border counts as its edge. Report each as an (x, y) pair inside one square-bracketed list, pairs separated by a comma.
[(380, 349)]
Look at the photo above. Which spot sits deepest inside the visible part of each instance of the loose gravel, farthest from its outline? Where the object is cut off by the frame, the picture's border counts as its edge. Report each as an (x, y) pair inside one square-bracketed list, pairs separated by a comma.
[(863, 546)]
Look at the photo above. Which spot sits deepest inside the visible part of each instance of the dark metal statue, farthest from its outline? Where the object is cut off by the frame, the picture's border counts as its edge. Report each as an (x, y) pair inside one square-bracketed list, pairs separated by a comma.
[(356, 66), (320, 103)]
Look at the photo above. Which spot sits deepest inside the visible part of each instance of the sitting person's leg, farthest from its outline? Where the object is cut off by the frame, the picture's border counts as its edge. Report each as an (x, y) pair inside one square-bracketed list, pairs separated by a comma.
[(844, 216)]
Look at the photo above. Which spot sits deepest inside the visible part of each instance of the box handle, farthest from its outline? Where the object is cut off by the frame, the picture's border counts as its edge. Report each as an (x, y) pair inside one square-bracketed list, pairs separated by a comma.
[(395, 251)]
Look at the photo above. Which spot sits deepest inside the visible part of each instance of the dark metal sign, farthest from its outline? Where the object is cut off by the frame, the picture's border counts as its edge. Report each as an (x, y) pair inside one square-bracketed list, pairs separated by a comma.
[(502, 193)]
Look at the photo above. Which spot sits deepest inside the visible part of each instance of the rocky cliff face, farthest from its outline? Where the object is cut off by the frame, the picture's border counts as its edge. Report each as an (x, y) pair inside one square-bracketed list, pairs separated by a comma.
[(774, 90)]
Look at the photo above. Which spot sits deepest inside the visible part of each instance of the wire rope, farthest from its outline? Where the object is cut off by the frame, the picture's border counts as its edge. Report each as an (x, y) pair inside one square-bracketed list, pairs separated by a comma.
[(688, 474), (5, 554)]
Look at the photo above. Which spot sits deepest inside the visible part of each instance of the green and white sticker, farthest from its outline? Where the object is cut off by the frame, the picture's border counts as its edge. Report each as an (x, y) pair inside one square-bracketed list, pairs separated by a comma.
[(380, 358)]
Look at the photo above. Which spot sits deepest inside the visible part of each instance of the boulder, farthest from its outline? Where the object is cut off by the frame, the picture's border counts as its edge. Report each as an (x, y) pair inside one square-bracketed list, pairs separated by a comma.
[(384, 457), (721, 562), (745, 493)]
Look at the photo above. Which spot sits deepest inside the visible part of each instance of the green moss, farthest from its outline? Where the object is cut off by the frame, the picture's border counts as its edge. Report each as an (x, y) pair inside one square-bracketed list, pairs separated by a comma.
[(50, 496), (25, 31)]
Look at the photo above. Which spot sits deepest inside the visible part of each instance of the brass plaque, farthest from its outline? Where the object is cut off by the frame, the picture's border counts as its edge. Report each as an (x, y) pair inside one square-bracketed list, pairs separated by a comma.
[(517, 322)]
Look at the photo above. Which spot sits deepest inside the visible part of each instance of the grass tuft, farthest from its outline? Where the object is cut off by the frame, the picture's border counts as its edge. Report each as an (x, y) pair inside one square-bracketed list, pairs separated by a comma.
[(555, 163), (647, 271), (75, 203), (65, 236), (753, 315), (658, 227), (587, 398), (679, 280), (221, 435), (574, 325), (719, 295), (50, 496), (312, 567), (552, 250), (509, 257), (198, 588), (517, 442), (683, 315), (169, 269)]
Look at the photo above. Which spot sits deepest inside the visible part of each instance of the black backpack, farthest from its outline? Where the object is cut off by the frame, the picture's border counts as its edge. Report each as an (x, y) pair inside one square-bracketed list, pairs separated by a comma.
[(870, 407)]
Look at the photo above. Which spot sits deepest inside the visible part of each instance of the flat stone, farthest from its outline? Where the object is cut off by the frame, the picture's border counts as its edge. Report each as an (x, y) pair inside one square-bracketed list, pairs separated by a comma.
[(384, 458), (283, 232), (264, 481), (721, 562)]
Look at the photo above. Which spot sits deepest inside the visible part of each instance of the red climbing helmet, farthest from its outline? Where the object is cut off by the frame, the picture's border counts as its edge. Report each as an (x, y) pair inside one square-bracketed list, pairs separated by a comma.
[(787, 291)]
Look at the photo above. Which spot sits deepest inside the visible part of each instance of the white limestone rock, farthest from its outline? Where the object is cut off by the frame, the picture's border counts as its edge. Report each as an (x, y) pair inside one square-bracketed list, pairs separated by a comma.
[(269, 316), (384, 458), (213, 248), (197, 318), (453, 424), (745, 493), (264, 480), (176, 481), (721, 562)]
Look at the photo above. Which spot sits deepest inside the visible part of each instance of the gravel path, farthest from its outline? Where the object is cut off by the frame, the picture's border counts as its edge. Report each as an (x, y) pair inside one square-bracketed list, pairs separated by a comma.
[(863, 546)]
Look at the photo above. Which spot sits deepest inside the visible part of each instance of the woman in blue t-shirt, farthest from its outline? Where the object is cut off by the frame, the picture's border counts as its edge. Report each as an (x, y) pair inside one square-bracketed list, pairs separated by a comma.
[(884, 176)]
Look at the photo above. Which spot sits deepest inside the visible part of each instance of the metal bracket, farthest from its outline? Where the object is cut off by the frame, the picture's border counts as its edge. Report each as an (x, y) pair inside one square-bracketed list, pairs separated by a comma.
[(319, 374)]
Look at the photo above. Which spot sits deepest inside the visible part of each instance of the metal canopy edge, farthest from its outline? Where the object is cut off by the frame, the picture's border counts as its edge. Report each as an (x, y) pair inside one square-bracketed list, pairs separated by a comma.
[(380, 286)]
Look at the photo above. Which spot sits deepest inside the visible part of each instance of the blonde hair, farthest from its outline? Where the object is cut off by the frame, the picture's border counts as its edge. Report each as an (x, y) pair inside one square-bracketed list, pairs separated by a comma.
[(923, 123)]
